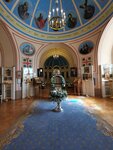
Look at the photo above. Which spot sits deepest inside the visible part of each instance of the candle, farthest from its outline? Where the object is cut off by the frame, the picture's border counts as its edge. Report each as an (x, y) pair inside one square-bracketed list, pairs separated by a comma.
[(53, 12)]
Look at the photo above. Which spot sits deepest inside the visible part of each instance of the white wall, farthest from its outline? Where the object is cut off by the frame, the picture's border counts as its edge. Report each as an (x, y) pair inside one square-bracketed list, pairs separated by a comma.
[(105, 49)]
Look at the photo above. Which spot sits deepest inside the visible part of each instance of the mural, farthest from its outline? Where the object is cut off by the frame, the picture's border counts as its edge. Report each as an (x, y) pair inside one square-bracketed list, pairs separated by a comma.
[(82, 17), (23, 10), (27, 49), (88, 10), (86, 47), (40, 22), (71, 21), (8, 1)]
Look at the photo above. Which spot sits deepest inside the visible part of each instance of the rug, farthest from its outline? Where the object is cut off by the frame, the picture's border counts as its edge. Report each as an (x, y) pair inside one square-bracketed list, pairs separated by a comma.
[(72, 129)]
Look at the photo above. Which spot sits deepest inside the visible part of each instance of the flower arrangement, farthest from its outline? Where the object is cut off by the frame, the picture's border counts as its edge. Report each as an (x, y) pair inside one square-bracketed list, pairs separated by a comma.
[(58, 94), (58, 91)]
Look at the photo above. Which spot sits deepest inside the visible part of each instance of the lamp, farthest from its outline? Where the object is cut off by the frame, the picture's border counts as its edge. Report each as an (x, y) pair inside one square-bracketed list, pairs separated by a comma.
[(57, 18)]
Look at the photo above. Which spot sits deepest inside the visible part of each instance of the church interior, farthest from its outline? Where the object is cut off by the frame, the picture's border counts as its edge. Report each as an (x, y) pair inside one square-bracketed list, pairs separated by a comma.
[(56, 53)]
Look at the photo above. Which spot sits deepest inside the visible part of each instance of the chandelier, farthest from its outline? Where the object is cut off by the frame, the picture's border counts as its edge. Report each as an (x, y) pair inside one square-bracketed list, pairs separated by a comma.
[(57, 18), (55, 56)]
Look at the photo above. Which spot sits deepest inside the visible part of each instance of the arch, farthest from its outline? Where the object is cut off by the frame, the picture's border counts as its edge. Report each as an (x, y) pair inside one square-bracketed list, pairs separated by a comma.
[(105, 49), (7, 46), (56, 48), (1, 56)]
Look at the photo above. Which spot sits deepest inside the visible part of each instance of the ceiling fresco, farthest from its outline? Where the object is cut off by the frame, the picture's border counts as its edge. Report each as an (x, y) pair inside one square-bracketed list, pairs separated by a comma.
[(31, 17)]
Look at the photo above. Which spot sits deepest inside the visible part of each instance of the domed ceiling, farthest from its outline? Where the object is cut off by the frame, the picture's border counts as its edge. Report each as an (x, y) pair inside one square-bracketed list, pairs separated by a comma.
[(30, 17)]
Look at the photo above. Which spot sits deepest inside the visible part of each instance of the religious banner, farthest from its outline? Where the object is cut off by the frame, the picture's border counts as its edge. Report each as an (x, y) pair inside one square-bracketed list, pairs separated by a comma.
[(27, 62), (87, 61)]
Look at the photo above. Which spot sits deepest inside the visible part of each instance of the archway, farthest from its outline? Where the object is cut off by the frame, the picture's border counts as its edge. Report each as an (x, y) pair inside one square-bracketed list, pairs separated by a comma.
[(64, 51), (56, 48), (59, 49), (105, 60), (105, 50), (8, 62), (7, 47)]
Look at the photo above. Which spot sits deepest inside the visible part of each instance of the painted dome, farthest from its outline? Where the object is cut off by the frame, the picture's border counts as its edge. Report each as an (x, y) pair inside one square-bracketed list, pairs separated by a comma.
[(31, 17)]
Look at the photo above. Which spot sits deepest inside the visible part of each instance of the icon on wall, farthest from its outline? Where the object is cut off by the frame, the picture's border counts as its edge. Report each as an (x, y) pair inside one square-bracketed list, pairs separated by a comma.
[(27, 49), (40, 72), (86, 47), (8, 72), (73, 72)]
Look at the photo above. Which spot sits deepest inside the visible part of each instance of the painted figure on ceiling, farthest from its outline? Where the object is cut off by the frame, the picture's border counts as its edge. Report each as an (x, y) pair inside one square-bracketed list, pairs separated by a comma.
[(23, 10), (40, 21), (71, 22), (8, 1), (88, 10)]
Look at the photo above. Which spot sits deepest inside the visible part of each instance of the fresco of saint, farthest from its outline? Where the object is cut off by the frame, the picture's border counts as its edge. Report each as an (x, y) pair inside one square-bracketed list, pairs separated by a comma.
[(88, 10), (40, 21), (71, 22), (23, 10)]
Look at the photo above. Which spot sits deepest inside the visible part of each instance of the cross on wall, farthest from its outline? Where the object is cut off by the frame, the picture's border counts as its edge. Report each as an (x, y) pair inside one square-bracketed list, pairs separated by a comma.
[(27, 62), (86, 61)]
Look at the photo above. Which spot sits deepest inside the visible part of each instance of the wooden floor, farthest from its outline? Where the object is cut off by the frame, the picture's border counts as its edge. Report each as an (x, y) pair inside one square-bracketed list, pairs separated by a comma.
[(12, 111)]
